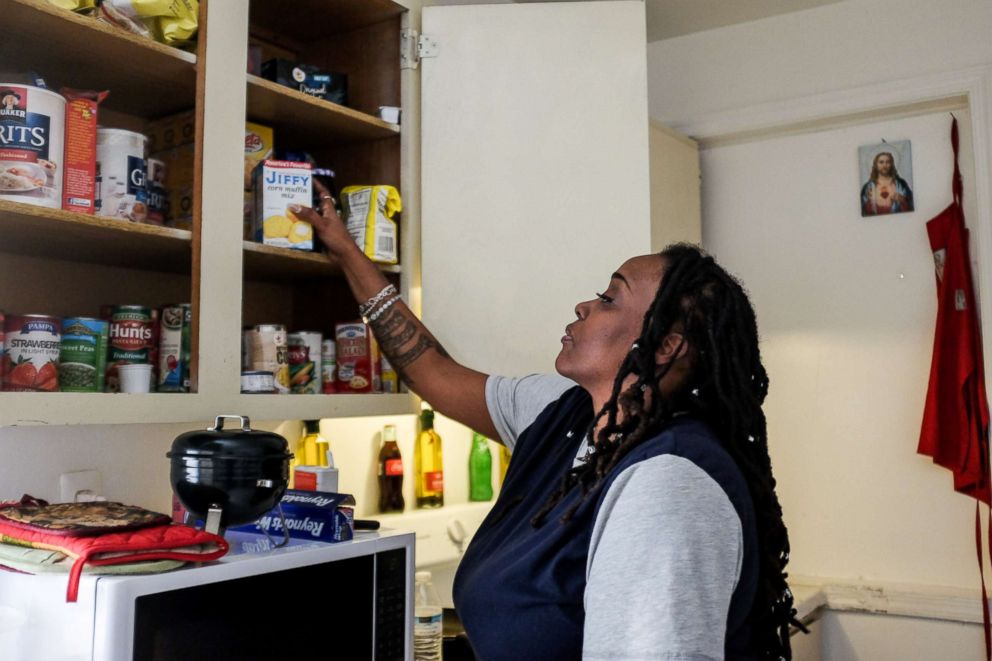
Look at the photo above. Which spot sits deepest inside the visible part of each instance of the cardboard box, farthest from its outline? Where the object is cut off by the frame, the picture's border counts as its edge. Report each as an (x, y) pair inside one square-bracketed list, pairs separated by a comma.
[(79, 166), (179, 164), (171, 131), (308, 79), (276, 185), (259, 145), (312, 515)]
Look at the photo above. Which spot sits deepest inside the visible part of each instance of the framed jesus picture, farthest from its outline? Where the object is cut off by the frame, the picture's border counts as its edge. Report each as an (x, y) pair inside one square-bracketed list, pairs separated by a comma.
[(887, 178)]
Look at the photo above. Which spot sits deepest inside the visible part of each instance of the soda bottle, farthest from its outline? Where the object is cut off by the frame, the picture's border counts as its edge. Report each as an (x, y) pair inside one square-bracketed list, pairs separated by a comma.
[(427, 461), (390, 472), (504, 462), (428, 632), (480, 469)]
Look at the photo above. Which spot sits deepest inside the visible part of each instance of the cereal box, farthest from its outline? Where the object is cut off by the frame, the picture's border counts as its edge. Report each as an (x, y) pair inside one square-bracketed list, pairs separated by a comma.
[(79, 176), (278, 184), (259, 145)]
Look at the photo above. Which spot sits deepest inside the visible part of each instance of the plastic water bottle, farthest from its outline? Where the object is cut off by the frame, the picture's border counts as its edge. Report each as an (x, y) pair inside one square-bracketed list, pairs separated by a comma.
[(427, 631)]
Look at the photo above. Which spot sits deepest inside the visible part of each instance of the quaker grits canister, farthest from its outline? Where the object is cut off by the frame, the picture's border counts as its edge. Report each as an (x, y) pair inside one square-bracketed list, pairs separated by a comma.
[(32, 140)]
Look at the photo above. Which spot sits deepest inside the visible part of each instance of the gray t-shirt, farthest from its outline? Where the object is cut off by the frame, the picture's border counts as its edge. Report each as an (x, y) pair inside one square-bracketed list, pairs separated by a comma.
[(666, 548)]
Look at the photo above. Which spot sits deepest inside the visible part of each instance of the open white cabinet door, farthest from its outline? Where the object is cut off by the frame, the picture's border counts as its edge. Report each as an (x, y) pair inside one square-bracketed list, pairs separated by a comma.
[(534, 171)]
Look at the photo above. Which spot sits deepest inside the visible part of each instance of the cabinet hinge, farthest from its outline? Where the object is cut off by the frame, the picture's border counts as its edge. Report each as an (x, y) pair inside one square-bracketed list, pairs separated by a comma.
[(414, 47)]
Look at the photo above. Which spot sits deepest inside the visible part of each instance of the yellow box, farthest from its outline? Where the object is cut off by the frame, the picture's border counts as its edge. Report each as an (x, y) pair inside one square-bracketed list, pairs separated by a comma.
[(259, 145)]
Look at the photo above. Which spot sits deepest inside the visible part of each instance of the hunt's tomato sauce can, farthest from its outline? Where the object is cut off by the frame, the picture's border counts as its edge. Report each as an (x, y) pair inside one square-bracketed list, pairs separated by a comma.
[(132, 340), (31, 360)]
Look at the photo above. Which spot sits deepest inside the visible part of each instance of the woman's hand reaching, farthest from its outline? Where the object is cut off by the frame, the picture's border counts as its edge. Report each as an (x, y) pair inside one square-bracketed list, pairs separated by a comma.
[(327, 224)]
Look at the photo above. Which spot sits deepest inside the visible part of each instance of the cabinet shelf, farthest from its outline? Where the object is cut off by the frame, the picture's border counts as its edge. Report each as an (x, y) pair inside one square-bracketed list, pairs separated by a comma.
[(67, 408), (277, 264), (145, 78), (65, 235), (307, 120)]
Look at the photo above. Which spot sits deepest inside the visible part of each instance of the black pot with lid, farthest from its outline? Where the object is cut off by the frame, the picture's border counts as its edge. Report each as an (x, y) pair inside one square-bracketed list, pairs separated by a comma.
[(229, 477)]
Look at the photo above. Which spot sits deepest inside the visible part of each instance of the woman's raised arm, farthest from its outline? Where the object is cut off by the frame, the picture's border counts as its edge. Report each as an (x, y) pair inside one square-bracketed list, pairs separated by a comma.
[(453, 389)]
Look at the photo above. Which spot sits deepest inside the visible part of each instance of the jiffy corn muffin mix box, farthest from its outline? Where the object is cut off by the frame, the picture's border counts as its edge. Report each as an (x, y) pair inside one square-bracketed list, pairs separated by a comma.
[(278, 184)]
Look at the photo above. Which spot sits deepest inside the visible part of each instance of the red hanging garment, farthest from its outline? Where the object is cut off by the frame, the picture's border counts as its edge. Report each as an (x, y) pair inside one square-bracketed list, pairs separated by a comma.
[(955, 429)]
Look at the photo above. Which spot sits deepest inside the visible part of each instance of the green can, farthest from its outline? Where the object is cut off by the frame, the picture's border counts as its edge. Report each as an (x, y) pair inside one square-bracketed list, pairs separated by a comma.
[(83, 354)]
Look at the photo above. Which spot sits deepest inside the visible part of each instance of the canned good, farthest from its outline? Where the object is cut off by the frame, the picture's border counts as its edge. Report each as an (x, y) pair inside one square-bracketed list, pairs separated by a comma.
[(390, 379), (83, 354), (256, 382), (32, 352), (173, 344), (305, 362), (132, 340), (121, 158), (357, 359), (32, 142), (328, 366), (269, 353)]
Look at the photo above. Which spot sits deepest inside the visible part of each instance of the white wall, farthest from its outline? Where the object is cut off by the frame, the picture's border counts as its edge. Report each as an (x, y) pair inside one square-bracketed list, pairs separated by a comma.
[(834, 47), (132, 461), (846, 310), (846, 305), (868, 637)]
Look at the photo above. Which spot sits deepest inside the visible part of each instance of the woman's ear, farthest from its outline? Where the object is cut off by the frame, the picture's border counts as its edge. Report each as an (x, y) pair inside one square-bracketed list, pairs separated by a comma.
[(672, 348)]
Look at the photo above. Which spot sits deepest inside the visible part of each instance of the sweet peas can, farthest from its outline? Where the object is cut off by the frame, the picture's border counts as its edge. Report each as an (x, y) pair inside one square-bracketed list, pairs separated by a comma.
[(32, 352), (83, 354)]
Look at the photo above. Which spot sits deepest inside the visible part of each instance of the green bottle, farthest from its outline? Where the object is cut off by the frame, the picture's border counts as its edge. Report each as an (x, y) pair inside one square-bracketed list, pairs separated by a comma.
[(480, 469)]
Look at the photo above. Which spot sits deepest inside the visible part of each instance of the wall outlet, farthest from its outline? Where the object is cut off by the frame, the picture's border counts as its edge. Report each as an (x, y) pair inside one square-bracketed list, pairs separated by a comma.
[(81, 486)]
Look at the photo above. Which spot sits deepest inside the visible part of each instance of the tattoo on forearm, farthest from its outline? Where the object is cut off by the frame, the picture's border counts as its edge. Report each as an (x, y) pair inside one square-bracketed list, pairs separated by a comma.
[(394, 330), (402, 360), (384, 326), (391, 343)]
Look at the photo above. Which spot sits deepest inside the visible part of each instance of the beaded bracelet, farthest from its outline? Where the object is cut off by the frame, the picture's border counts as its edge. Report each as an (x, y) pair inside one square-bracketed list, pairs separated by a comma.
[(369, 305), (385, 306)]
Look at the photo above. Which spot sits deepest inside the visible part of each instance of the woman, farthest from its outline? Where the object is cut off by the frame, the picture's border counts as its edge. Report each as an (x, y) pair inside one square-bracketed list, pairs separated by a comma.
[(664, 539)]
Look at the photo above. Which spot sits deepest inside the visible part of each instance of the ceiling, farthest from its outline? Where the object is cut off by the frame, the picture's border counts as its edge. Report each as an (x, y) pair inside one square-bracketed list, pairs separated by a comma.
[(671, 18)]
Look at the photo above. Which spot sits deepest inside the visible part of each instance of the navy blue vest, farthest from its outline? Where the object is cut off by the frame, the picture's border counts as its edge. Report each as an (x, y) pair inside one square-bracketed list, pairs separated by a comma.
[(519, 589)]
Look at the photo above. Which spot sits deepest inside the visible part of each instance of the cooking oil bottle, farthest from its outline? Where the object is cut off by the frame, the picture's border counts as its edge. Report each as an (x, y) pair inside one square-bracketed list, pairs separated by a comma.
[(428, 465), (310, 445)]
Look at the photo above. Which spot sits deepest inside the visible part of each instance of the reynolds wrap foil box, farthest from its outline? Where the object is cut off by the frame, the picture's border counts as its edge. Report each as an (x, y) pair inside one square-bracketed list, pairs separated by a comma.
[(311, 515)]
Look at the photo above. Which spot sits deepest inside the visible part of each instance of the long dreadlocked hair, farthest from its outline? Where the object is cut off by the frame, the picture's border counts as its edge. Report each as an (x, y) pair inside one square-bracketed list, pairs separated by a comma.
[(725, 388)]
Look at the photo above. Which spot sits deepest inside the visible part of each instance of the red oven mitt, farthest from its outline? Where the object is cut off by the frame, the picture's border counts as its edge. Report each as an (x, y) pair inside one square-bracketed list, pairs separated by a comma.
[(102, 533)]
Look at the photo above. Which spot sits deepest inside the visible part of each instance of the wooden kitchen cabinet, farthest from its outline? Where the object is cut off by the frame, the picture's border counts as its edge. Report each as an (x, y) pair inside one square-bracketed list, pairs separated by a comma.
[(62, 263), (533, 173)]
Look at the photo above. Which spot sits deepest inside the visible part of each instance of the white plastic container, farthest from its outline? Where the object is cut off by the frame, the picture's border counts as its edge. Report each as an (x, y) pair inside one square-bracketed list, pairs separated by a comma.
[(135, 377), (32, 144), (120, 158)]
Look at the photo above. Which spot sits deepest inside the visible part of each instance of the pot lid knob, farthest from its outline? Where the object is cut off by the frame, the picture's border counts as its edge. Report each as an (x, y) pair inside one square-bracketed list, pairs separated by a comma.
[(219, 422)]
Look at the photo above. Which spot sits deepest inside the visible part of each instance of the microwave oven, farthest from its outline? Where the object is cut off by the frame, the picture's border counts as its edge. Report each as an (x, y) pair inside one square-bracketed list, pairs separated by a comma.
[(349, 600)]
